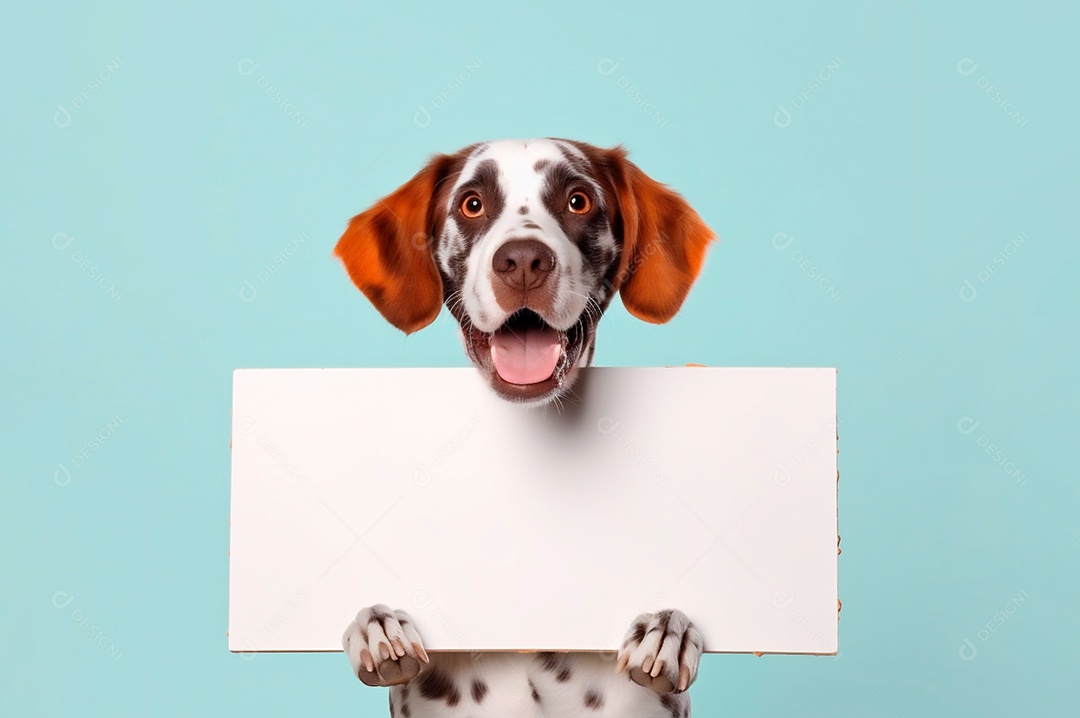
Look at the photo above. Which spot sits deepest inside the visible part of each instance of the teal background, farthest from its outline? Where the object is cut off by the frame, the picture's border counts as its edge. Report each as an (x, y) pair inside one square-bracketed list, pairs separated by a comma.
[(178, 179)]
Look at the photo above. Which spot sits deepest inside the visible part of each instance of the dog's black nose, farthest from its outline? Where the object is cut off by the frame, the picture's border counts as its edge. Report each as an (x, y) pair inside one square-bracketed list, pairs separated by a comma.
[(523, 264)]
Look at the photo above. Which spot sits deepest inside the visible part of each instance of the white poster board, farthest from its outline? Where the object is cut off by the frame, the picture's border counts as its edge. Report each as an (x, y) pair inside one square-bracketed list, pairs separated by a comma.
[(497, 527)]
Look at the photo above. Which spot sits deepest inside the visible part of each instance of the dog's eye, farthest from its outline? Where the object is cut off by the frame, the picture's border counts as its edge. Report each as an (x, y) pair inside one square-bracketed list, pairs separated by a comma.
[(472, 207), (579, 203)]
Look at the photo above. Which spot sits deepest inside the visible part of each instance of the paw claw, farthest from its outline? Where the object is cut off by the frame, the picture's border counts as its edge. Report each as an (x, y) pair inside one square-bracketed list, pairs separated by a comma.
[(662, 651), (377, 644), (624, 659), (421, 652), (365, 656)]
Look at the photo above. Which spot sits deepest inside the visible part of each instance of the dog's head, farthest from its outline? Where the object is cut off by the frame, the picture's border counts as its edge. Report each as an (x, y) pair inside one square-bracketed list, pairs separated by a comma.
[(526, 242)]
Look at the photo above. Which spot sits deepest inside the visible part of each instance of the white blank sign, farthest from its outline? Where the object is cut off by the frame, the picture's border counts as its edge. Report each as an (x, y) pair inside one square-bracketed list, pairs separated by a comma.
[(499, 527)]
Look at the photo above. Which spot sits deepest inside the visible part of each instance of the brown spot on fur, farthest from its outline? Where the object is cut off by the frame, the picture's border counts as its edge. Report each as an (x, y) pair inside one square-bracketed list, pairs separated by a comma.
[(593, 700), (564, 675), (436, 685), (479, 690)]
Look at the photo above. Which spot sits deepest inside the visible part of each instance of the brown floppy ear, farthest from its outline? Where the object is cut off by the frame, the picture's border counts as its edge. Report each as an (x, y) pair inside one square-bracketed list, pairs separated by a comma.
[(388, 254), (664, 242)]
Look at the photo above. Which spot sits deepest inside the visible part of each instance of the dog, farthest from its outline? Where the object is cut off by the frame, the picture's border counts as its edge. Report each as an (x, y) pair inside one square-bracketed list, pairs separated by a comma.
[(526, 242)]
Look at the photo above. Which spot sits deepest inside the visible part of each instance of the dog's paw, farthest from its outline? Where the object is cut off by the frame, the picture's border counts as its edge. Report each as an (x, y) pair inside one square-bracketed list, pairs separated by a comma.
[(383, 646), (661, 651)]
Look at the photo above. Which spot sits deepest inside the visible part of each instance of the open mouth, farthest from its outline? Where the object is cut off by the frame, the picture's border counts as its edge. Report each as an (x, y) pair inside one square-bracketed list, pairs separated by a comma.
[(526, 357)]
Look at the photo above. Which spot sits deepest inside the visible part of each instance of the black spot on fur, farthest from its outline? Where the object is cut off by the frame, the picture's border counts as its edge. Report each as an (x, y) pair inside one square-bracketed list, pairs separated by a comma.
[(639, 633), (405, 711), (436, 685), (535, 695), (593, 700), (564, 675), (479, 690), (548, 661), (676, 708)]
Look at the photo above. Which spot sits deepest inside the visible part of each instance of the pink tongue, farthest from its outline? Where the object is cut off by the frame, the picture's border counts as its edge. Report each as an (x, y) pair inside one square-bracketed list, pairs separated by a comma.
[(526, 356)]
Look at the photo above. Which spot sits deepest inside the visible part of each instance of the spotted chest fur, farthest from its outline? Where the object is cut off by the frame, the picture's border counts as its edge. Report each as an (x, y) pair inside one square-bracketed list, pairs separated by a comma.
[(646, 678), (544, 685)]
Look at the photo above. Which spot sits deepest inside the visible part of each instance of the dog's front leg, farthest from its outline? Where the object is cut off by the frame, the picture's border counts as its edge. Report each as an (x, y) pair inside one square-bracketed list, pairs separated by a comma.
[(661, 651), (383, 646)]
